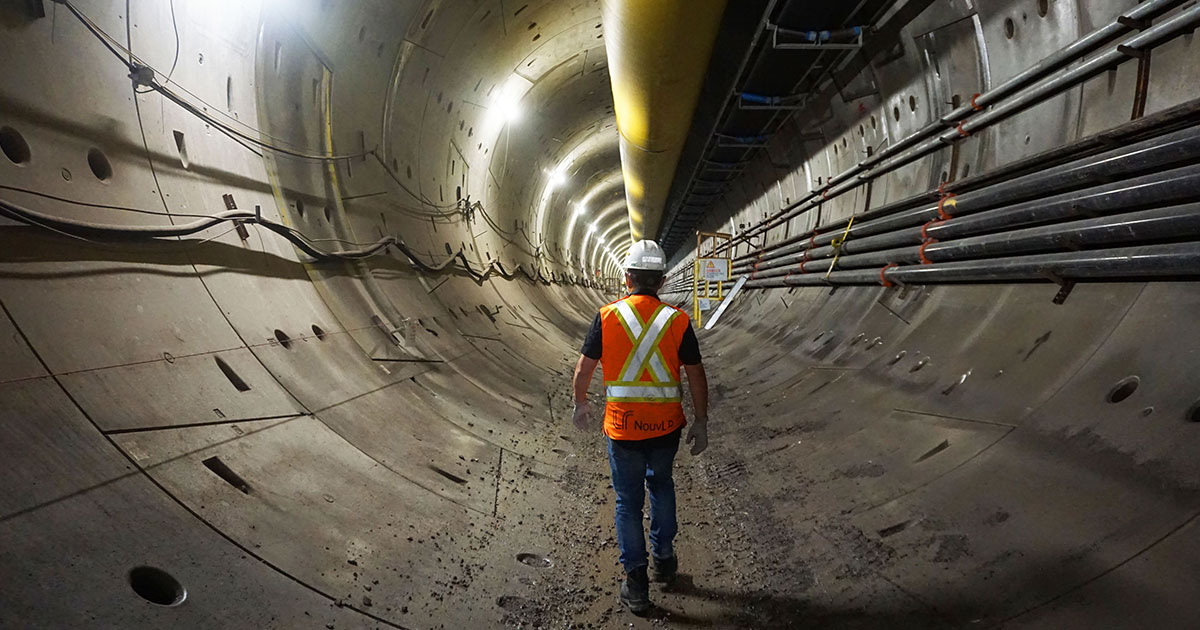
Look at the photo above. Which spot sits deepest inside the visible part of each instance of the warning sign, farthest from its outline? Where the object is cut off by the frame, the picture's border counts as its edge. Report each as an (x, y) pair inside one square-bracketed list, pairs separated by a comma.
[(704, 304), (714, 268)]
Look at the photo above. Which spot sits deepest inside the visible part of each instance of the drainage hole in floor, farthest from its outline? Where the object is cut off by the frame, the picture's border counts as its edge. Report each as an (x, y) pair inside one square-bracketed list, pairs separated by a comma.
[(534, 560), (157, 586)]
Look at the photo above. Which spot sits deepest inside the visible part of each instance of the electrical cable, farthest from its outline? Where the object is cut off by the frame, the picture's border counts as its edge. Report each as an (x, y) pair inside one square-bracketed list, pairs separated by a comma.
[(101, 205), (142, 72), (139, 70), (235, 135), (81, 230), (105, 37), (175, 61)]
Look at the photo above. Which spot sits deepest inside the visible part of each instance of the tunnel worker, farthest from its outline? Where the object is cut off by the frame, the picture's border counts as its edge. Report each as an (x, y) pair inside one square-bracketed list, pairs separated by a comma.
[(640, 343)]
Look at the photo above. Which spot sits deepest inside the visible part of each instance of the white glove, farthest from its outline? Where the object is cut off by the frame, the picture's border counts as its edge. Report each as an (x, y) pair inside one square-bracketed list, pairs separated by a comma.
[(698, 435), (582, 417)]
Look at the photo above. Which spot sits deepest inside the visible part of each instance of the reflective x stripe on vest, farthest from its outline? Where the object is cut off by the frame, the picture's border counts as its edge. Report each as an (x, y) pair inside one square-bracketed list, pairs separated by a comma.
[(645, 356)]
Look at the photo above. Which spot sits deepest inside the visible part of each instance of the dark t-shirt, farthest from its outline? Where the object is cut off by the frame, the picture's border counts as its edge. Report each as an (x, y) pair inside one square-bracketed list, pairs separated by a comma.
[(689, 346)]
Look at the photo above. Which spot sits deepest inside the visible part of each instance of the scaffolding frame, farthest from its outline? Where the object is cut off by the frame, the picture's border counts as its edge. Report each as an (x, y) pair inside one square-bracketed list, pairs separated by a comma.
[(718, 240)]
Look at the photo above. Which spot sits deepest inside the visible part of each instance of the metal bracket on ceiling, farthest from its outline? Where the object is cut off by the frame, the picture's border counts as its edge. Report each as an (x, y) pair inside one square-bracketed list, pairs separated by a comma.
[(839, 39), (713, 166), (724, 180), (791, 102), (744, 142)]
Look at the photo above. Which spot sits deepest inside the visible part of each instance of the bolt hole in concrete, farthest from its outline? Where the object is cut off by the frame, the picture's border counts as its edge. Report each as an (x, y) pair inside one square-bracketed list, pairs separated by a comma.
[(1043, 7), (100, 165), (237, 381), (283, 339), (1010, 28), (157, 586), (534, 560), (448, 475), (181, 147), (13, 144), (1193, 414), (1123, 389), (319, 332), (222, 470), (300, 207)]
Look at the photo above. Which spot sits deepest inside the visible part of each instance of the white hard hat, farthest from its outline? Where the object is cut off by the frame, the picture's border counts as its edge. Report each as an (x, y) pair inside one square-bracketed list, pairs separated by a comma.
[(647, 256)]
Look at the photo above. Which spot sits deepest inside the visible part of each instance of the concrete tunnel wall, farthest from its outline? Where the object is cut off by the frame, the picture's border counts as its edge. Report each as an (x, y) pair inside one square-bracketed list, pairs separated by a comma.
[(405, 433)]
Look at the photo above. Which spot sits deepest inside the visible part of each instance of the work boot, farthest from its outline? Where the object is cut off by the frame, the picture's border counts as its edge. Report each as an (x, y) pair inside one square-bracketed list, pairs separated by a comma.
[(635, 591), (664, 569)]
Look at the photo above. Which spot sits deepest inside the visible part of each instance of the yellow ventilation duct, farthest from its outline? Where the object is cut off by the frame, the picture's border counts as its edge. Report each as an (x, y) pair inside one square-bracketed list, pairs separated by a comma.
[(658, 53)]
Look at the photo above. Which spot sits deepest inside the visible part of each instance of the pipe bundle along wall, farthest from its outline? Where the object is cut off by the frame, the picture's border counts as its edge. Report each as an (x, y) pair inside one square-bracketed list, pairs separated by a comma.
[(975, 212), (1003, 101)]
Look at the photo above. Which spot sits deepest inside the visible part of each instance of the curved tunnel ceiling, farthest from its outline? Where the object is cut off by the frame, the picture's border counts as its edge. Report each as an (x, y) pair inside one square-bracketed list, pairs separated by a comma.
[(286, 332)]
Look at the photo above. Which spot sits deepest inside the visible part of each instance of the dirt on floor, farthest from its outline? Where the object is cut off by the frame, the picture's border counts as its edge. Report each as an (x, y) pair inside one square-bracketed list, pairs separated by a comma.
[(748, 558)]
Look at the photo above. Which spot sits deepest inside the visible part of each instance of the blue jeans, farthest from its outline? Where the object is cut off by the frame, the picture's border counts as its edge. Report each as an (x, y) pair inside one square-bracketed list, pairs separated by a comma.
[(637, 466)]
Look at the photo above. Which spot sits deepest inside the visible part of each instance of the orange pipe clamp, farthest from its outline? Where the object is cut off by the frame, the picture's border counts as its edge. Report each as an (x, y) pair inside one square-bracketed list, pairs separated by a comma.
[(948, 200), (882, 280), (921, 252), (924, 234)]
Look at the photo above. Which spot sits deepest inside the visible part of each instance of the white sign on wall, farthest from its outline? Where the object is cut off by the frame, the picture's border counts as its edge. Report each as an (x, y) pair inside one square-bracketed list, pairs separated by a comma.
[(714, 269)]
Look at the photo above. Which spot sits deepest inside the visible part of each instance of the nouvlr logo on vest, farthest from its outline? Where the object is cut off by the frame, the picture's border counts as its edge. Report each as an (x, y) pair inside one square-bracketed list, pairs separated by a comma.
[(652, 426), (620, 418)]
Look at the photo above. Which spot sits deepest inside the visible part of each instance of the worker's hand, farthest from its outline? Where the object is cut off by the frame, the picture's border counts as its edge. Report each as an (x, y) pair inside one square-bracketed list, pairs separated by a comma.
[(698, 435), (582, 417)]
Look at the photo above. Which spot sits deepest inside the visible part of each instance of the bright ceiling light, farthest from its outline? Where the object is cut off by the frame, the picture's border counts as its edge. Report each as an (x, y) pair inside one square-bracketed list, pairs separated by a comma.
[(557, 178), (504, 106)]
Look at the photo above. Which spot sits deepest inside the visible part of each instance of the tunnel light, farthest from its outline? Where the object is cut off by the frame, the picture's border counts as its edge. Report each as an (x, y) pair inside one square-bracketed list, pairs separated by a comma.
[(505, 104), (557, 178)]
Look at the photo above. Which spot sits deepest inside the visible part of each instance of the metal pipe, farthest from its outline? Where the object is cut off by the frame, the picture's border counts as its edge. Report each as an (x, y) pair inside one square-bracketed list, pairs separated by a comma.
[(1159, 224), (1176, 117), (838, 184), (1143, 261), (1183, 21), (1151, 154), (1120, 26), (658, 54), (1175, 186)]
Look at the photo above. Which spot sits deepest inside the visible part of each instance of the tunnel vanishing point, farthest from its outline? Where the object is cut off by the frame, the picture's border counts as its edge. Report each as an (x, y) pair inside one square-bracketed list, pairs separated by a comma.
[(290, 291)]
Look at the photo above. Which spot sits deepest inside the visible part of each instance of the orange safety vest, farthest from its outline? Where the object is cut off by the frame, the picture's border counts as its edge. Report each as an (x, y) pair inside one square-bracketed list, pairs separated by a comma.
[(640, 361)]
